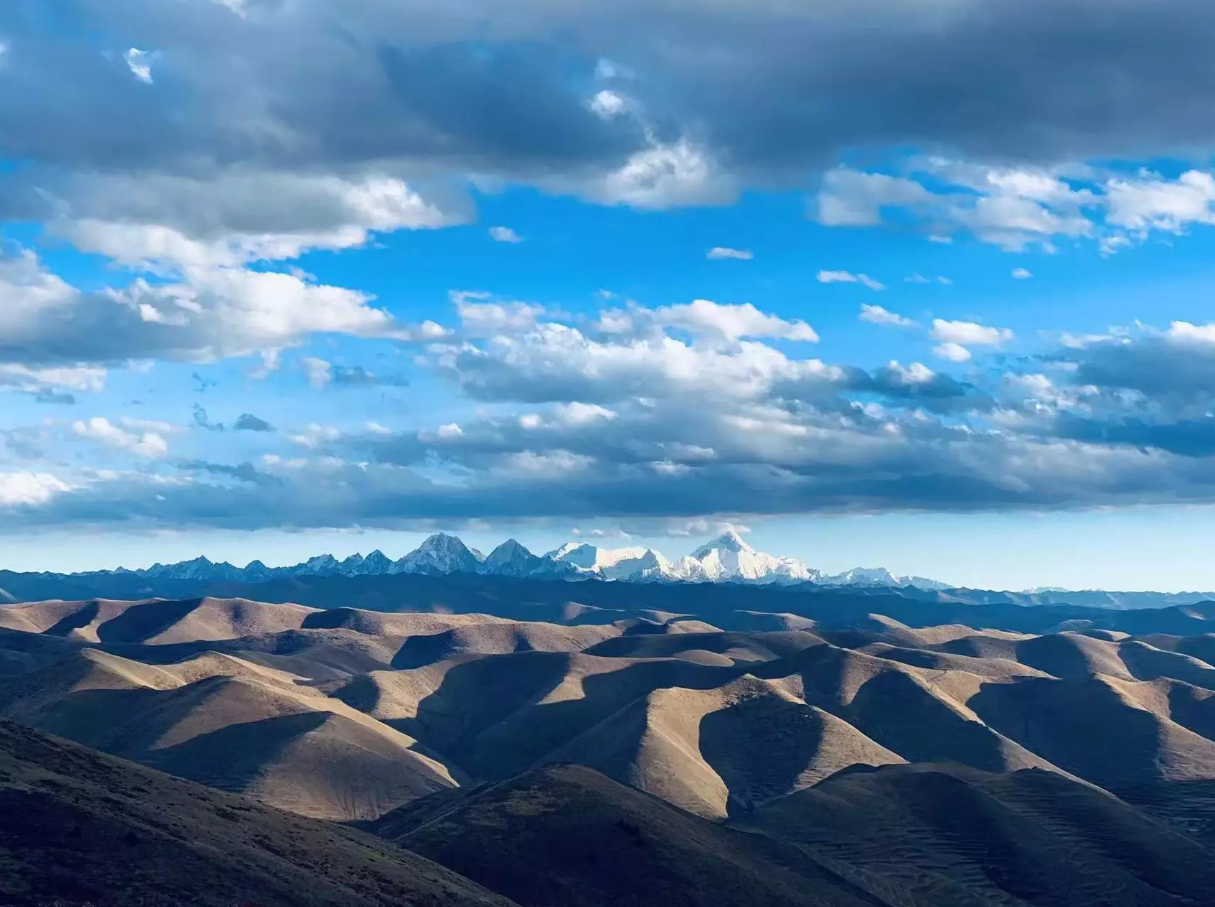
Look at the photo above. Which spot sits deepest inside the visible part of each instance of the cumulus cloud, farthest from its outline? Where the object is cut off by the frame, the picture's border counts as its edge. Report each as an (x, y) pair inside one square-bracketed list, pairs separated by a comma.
[(504, 234), (954, 352), (19, 489), (237, 217), (103, 431), (1019, 207), (875, 314), (209, 314), (969, 333), (729, 322), (1021, 274), (1010, 207), (599, 425)]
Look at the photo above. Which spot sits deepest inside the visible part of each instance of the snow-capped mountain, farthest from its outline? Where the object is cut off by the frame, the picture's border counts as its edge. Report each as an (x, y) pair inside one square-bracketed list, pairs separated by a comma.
[(439, 555), (615, 564), (879, 576), (726, 559)]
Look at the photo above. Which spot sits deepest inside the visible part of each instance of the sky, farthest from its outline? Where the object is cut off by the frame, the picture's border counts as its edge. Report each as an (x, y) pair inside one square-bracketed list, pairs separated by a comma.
[(923, 284)]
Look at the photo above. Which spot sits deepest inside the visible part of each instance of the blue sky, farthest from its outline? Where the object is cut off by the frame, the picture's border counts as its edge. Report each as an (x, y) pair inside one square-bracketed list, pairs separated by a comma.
[(280, 278)]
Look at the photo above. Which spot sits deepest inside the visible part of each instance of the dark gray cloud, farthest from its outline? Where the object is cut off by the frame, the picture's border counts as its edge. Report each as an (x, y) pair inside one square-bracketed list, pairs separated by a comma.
[(242, 472), (250, 422), (771, 88)]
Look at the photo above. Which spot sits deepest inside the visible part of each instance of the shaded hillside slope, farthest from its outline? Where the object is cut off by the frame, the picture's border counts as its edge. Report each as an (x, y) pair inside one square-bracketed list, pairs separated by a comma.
[(946, 836), (82, 827), (570, 836)]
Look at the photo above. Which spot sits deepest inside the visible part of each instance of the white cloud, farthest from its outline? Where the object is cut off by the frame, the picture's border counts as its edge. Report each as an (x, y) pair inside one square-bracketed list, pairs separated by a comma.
[(451, 430), (29, 489), (608, 104), (1017, 207), (921, 279), (849, 277), (553, 362), (952, 351), (80, 378), (663, 175), (1151, 202), (319, 372), (968, 333), (720, 253), (729, 322), (152, 425), (1183, 332), (102, 431), (1021, 274), (850, 198), (583, 413), (916, 373), (160, 222), (315, 435), (481, 316), (504, 234), (140, 64), (875, 314), (209, 313)]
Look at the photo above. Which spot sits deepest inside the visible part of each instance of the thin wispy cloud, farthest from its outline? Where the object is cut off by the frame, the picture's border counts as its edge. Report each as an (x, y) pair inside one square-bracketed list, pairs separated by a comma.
[(721, 253), (849, 277)]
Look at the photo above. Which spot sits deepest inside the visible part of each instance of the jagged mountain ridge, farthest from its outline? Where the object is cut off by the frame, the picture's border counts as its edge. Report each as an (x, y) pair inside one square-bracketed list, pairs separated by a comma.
[(727, 558)]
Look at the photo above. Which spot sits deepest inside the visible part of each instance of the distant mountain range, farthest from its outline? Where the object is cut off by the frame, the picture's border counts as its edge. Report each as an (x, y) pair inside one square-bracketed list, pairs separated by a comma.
[(726, 559)]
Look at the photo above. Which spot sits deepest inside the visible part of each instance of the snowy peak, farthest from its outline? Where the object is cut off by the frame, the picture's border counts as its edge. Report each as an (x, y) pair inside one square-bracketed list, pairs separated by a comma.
[(880, 577), (511, 559), (727, 541), (726, 559), (440, 554)]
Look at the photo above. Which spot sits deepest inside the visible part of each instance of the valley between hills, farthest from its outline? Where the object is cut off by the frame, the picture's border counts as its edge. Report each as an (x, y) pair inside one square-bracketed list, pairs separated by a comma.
[(502, 742)]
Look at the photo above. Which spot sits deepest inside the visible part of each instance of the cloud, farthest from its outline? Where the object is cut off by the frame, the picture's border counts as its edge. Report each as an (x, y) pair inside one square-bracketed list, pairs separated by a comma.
[(1016, 207), (37, 380), (849, 277), (250, 422), (875, 314), (237, 217), (608, 104), (203, 421), (954, 352), (19, 489), (1010, 207), (969, 333), (598, 426), (1021, 274), (319, 372), (504, 234), (520, 92), (729, 322), (102, 431), (1151, 202), (140, 64), (207, 315), (660, 176), (720, 253), (921, 279), (316, 435)]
